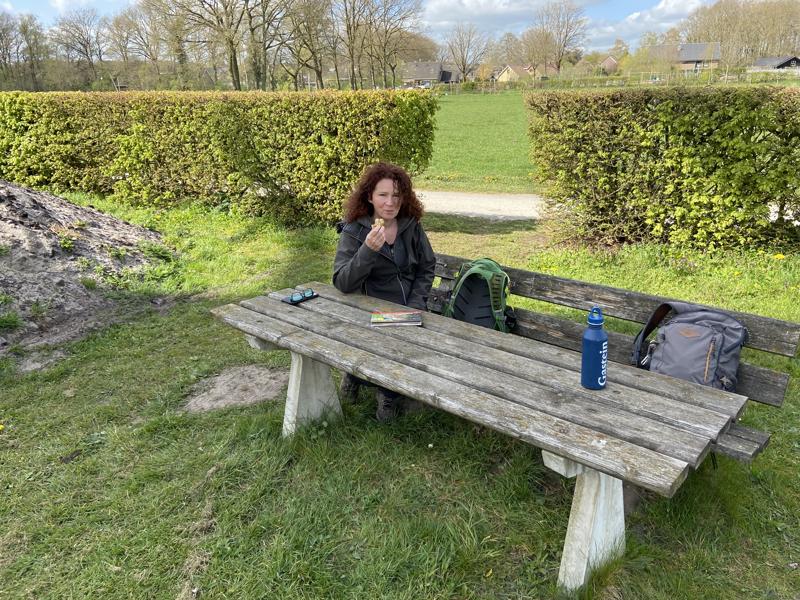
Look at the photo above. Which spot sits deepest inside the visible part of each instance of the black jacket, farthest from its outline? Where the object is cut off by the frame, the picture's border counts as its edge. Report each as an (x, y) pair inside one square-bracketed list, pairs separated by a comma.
[(403, 276)]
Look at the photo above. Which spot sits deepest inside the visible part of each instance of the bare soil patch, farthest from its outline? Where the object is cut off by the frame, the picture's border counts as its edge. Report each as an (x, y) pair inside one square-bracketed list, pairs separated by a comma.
[(56, 259), (238, 386)]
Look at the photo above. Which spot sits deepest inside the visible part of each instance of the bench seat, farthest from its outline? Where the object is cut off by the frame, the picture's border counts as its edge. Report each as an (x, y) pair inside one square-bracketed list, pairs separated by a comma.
[(758, 383)]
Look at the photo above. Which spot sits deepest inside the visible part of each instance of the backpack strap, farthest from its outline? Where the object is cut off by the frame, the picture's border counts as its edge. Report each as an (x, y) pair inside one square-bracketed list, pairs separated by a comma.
[(497, 287), (462, 276), (654, 321)]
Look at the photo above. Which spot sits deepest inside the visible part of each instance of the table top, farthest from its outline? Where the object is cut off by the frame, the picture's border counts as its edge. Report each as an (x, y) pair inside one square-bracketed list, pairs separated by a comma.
[(644, 428)]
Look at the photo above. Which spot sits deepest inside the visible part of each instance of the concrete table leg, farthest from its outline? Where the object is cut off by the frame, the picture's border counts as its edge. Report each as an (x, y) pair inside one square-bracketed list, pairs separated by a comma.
[(311, 394), (260, 344), (596, 530)]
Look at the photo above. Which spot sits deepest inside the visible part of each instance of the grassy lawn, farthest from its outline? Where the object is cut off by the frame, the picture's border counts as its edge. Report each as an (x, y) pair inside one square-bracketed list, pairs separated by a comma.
[(159, 502), (481, 145)]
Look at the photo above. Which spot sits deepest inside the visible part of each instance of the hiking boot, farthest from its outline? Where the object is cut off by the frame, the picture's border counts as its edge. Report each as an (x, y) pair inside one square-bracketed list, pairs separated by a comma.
[(411, 406), (389, 405), (348, 388)]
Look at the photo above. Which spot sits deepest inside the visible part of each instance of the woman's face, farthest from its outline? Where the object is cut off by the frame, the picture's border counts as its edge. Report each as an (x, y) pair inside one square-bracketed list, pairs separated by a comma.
[(386, 199)]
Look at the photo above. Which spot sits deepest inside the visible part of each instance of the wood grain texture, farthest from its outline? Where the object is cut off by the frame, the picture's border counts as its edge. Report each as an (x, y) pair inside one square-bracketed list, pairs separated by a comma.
[(615, 457), (624, 375), (770, 335), (570, 403), (741, 442)]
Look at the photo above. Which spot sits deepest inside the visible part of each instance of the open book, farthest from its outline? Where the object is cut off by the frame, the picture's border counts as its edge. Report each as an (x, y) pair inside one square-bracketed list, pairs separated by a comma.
[(403, 317)]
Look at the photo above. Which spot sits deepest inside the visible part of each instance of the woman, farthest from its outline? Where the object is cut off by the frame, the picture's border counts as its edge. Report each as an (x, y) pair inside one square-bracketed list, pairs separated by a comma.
[(383, 252)]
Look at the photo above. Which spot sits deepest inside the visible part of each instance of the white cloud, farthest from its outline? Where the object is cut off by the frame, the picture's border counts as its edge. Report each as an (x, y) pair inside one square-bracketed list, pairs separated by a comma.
[(490, 16), (63, 6), (6, 6), (499, 16), (663, 16)]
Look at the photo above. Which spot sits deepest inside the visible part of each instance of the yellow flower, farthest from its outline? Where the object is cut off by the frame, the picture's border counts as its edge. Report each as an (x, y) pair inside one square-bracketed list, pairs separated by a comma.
[(778, 256), (2, 427)]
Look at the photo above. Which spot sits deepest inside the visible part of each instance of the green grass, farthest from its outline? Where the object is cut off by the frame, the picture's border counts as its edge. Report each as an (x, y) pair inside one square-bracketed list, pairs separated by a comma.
[(481, 145), (108, 490), (9, 321)]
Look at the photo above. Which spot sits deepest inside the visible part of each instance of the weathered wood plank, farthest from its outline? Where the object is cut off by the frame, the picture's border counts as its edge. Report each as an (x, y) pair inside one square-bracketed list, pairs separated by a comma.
[(568, 404), (748, 433), (668, 387), (758, 383), (640, 402), (741, 442), (770, 335), (618, 458)]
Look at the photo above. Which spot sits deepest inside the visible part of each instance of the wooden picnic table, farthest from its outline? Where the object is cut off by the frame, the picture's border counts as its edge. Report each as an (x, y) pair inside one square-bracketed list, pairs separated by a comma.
[(643, 428)]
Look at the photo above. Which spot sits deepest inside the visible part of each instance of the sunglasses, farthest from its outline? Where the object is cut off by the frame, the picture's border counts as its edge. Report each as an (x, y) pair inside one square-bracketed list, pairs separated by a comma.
[(302, 296)]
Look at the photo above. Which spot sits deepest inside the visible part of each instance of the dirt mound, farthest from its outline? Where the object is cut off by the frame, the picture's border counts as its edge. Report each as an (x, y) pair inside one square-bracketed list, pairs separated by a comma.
[(55, 261)]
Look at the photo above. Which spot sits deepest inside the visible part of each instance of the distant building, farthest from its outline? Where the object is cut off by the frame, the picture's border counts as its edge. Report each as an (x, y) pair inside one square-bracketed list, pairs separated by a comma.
[(511, 73), (688, 57), (609, 65), (771, 63), (427, 73)]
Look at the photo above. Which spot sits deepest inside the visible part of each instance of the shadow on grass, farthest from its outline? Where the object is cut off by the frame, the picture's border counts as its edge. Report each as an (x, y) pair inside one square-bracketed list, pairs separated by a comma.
[(448, 223)]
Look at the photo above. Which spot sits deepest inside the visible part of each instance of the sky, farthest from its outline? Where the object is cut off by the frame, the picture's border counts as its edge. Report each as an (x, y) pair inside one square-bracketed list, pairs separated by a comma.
[(608, 19)]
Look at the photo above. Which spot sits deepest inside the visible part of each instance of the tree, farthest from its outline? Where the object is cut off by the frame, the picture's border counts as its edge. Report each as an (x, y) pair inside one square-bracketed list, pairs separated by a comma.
[(222, 18), (33, 49), (144, 25), (508, 50), (265, 20), (79, 34), (389, 21), (9, 39), (466, 47), (538, 49), (351, 17), (620, 49), (308, 20), (746, 30), (565, 23)]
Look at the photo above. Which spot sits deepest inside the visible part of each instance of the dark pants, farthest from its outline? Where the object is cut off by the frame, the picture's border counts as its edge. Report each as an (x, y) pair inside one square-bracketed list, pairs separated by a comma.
[(364, 382)]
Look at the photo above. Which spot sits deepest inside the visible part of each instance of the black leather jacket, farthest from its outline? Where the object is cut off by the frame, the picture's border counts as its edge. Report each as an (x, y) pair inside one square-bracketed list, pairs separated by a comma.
[(403, 274)]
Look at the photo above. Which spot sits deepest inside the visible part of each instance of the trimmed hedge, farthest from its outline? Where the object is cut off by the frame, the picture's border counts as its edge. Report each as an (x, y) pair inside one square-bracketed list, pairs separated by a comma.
[(292, 155), (699, 167)]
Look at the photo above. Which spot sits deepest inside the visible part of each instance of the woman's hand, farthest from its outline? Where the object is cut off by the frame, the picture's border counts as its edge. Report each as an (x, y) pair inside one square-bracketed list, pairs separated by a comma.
[(375, 239)]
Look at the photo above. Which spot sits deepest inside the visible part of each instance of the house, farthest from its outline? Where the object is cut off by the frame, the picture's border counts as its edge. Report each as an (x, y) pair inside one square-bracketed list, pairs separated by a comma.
[(770, 63), (688, 57), (511, 73), (427, 73), (609, 65)]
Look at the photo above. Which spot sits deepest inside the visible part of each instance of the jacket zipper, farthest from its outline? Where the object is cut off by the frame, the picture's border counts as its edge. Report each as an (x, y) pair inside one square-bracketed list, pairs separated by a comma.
[(397, 275), (402, 289)]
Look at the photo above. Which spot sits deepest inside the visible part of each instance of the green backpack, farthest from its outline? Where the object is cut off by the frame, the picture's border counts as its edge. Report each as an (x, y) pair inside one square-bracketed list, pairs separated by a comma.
[(479, 296)]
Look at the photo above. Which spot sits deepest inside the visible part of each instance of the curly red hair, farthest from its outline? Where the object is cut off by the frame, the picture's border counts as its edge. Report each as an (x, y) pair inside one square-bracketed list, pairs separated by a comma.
[(358, 205)]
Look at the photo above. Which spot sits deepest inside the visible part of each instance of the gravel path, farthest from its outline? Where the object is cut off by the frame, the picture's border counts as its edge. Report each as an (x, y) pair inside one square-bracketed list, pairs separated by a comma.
[(492, 206)]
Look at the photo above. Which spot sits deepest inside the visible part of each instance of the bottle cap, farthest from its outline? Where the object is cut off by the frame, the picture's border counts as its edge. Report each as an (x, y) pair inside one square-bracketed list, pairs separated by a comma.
[(595, 316)]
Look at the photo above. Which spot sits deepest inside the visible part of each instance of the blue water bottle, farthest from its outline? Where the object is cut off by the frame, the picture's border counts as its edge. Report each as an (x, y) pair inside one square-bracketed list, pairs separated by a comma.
[(594, 362)]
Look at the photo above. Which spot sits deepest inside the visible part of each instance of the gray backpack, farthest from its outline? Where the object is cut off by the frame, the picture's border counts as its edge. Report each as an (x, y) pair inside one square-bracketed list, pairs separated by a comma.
[(697, 344)]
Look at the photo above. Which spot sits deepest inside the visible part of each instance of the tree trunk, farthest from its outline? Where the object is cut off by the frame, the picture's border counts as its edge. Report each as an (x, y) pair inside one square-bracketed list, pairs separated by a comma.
[(233, 65)]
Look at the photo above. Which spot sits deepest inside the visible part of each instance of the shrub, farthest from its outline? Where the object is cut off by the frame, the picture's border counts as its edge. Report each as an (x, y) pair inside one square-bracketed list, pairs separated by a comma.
[(10, 321), (291, 155), (692, 166)]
